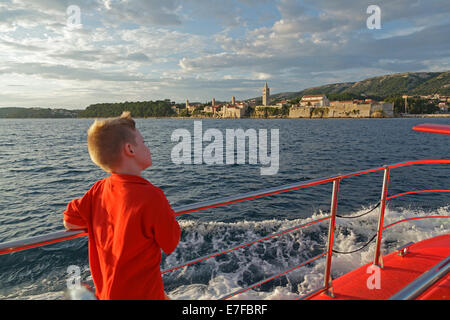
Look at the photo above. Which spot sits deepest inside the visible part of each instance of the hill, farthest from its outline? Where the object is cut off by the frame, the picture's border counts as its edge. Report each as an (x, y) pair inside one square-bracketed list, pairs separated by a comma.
[(411, 83), (16, 112)]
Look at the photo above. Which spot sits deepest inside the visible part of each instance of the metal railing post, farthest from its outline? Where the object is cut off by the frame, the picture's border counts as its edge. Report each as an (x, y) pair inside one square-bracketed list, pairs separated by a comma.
[(378, 259), (327, 278)]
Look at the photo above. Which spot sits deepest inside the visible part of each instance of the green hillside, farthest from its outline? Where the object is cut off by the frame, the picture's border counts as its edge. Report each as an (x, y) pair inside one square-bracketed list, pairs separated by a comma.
[(439, 84), (411, 83), (15, 112)]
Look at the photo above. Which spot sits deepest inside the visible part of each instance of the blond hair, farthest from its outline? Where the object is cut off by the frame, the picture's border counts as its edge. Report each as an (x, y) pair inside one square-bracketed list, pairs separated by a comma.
[(107, 137)]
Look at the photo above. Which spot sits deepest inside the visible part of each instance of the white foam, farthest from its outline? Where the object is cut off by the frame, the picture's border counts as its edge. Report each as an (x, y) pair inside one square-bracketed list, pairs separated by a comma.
[(350, 234)]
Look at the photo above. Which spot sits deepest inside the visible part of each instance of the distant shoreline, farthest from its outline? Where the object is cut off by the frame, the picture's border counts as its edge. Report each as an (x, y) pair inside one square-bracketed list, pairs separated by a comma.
[(444, 115), (268, 118)]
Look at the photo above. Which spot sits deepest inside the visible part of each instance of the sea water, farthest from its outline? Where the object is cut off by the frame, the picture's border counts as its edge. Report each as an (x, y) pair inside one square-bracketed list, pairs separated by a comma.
[(44, 164)]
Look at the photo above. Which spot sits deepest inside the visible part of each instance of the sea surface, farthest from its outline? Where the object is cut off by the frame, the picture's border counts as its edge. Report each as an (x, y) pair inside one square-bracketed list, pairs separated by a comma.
[(44, 164)]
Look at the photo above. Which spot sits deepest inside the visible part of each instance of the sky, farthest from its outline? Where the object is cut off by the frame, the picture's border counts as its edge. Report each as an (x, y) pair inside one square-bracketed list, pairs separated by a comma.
[(73, 53)]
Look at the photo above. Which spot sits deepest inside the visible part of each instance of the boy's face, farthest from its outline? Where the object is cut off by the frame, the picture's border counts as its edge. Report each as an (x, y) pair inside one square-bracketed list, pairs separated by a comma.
[(143, 156)]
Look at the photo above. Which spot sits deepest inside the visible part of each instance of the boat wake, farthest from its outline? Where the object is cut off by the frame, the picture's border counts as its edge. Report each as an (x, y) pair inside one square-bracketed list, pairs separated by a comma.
[(233, 271)]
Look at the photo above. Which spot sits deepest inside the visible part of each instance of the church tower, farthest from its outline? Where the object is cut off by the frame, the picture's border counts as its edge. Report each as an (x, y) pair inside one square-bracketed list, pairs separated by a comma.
[(266, 95)]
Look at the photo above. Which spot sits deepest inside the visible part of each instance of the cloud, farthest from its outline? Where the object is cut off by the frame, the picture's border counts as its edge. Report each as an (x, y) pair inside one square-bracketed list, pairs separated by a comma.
[(19, 46), (159, 42), (67, 73), (32, 13), (81, 55), (216, 61), (10, 19), (143, 12), (138, 57), (38, 13)]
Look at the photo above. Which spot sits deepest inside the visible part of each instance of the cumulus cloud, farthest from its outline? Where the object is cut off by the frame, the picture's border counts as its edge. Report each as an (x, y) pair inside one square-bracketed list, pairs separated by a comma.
[(67, 73), (143, 12)]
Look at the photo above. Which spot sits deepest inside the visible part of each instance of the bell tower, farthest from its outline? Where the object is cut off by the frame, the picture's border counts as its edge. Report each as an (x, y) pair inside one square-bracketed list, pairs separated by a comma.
[(266, 95)]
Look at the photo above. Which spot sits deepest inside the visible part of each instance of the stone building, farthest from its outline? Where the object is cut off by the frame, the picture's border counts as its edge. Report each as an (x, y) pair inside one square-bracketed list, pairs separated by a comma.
[(233, 111), (315, 100), (343, 109), (356, 109)]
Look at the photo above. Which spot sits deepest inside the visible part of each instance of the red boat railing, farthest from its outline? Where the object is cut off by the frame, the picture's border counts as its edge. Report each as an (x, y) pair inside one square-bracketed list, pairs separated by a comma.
[(32, 242)]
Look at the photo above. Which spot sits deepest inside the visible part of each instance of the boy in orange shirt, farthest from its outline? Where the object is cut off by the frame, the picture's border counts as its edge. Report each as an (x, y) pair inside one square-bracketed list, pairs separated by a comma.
[(128, 219)]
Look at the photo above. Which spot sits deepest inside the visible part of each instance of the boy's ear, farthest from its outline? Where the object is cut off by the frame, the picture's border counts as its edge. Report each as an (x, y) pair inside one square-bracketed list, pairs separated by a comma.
[(128, 148)]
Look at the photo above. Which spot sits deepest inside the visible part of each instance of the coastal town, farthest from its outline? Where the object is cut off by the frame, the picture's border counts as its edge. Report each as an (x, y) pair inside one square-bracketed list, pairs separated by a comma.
[(309, 106), (407, 95)]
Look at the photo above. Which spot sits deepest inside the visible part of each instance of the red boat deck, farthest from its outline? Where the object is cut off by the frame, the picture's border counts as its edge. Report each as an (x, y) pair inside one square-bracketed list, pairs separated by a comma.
[(433, 128), (397, 273)]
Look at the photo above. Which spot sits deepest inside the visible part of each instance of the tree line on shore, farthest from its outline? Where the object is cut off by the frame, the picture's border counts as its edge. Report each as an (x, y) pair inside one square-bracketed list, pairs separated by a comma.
[(415, 105), (139, 109)]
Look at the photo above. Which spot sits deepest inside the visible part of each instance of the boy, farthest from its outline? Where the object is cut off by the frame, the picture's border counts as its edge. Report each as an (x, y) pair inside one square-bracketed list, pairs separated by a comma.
[(128, 219)]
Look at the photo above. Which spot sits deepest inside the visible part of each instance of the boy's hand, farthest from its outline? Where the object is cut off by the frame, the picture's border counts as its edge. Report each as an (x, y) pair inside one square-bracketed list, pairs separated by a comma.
[(70, 226)]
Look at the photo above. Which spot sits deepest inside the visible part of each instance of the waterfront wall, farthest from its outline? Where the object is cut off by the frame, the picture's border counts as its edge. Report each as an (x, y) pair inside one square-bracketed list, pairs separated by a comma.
[(344, 110)]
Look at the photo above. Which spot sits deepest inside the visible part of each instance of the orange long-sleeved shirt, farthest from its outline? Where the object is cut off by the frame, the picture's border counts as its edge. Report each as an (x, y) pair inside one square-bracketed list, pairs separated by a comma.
[(129, 221)]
